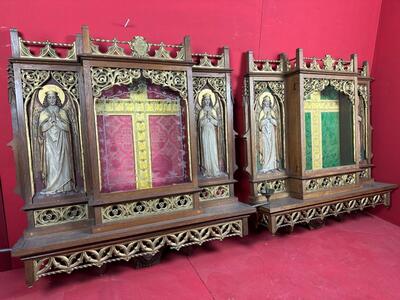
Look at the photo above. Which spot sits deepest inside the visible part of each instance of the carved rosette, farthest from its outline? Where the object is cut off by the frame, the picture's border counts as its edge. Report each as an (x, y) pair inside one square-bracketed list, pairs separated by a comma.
[(126, 250), (130, 210), (214, 192), (60, 215), (346, 87)]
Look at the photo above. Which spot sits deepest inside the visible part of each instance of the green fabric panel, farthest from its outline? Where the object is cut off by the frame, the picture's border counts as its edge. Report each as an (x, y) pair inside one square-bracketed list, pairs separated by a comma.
[(330, 139), (329, 93), (307, 122)]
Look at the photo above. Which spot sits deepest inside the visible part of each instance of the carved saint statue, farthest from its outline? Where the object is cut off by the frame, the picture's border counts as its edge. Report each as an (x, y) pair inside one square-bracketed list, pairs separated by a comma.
[(208, 124), (56, 148), (267, 141)]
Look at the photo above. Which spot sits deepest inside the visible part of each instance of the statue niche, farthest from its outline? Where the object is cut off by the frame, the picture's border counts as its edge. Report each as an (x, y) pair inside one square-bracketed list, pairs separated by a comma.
[(362, 127), (211, 134), (269, 134), (54, 127)]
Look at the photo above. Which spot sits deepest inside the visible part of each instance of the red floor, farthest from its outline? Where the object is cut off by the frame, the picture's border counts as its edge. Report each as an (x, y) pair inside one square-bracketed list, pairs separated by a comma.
[(358, 258)]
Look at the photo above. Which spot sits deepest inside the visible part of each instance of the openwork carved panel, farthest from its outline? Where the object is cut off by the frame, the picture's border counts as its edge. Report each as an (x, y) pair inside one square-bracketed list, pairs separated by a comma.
[(60, 215), (138, 47), (328, 63), (47, 50), (104, 78), (274, 222), (150, 207), (134, 248), (328, 182), (214, 192), (346, 87), (175, 80), (278, 186)]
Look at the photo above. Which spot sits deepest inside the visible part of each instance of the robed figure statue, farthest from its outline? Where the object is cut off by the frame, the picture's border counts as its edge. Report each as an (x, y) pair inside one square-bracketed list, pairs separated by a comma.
[(208, 124), (56, 148), (268, 130)]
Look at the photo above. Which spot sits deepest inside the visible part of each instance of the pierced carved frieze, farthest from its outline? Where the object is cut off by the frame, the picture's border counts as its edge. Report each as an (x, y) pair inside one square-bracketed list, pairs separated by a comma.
[(328, 63), (274, 222), (47, 50), (346, 87), (126, 250), (138, 47), (211, 118), (267, 66), (317, 184), (52, 120), (269, 112), (130, 210), (60, 215), (279, 186), (205, 60), (214, 192)]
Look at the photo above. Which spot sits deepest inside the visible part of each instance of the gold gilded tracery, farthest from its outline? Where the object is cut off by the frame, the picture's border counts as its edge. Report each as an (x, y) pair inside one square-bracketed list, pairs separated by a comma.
[(143, 208), (137, 247), (60, 215), (346, 87)]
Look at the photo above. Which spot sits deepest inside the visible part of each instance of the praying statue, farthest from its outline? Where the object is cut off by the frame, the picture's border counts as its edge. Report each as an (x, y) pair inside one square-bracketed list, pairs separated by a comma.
[(268, 128), (56, 148), (208, 125)]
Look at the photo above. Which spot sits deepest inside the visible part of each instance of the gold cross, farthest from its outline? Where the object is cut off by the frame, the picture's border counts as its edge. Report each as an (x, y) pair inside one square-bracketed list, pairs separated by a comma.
[(139, 107), (315, 106)]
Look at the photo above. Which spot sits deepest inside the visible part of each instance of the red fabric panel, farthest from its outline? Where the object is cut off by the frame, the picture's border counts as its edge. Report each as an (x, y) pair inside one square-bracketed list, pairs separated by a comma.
[(168, 155), (116, 153)]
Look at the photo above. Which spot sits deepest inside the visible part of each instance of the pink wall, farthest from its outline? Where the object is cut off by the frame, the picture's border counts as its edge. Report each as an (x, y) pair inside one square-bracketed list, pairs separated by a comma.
[(267, 27), (386, 105)]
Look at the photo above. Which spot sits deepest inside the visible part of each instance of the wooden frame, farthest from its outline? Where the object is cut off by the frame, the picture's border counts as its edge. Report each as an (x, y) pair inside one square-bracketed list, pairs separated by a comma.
[(310, 194), (87, 220)]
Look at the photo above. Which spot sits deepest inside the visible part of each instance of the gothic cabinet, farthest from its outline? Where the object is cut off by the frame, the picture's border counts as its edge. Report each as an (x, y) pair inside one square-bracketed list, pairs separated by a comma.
[(122, 148), (309, 139)]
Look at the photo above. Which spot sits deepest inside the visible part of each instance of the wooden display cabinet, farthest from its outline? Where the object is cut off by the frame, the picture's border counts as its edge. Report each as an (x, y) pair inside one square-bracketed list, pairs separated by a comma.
[(309, 139), (108, 145)]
